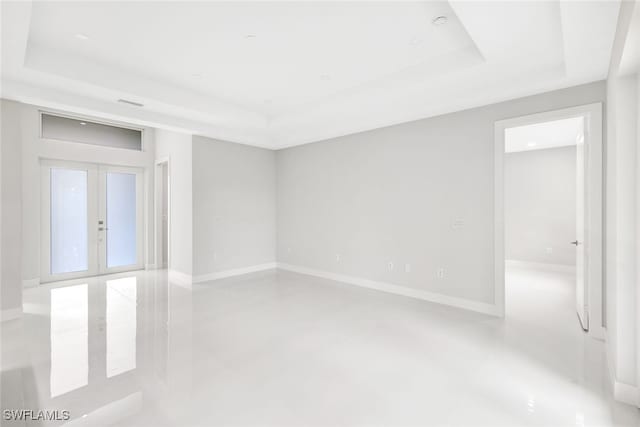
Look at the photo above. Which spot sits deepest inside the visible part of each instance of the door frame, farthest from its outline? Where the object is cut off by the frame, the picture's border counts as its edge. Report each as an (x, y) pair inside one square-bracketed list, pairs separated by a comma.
[(158, 212), (45, 220), (593, 209), (96, 256), (103, 169)]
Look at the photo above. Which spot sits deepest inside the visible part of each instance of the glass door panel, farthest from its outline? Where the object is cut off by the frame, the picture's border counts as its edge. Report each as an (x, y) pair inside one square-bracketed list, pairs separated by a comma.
[(69, 207), (121, 219), (92, 220), (69, 222), (120, 222)]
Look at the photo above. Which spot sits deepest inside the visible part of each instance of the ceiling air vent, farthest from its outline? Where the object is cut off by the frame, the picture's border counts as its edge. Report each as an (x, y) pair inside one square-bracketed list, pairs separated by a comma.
[(126, 101)]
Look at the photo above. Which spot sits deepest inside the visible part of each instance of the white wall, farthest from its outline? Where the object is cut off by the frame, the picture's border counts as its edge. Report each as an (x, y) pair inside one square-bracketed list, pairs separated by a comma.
[(10, 211), (540, 205), (177, 147), (234, 206), (395, 194), (621, 219), (637, 221)]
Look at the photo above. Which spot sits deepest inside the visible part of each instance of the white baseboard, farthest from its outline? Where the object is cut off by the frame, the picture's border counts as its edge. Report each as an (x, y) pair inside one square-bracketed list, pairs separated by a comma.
[(31, 283), (10, 314), (234, 272), (180, 278), (625, 393), (622, 392), (561, 268), (466, 304)]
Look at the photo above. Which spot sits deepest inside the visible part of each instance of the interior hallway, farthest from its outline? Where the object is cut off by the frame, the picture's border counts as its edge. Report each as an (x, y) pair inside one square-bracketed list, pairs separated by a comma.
[(279, 348)]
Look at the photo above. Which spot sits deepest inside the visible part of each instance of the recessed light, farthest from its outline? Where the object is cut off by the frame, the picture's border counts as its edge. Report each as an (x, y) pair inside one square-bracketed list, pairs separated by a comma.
[(440, 20), (83, 123), (82, 36), (325, 77), (531, 144), (250, 36)]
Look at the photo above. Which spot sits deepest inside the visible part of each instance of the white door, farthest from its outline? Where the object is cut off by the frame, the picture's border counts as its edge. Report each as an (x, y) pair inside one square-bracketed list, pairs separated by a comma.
[(119, 223), (91, 220), (581, 292)]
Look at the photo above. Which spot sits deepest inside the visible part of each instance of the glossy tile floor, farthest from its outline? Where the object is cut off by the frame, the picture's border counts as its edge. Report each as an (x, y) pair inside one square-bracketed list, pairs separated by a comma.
[(282, 349)]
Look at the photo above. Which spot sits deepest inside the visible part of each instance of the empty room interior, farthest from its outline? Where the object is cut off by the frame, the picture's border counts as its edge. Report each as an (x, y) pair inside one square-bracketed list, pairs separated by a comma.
[(320, 213)]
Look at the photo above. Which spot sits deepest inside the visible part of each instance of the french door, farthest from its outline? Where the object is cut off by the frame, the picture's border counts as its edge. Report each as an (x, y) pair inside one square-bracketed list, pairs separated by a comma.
[(92, 220)]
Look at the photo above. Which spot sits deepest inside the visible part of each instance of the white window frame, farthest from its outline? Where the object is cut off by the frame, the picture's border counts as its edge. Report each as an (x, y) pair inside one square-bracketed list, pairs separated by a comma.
[(42, 112)]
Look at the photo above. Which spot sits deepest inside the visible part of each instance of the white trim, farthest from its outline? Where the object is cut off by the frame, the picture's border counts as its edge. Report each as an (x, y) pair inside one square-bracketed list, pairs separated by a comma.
[(157, 212), (625, 393), (180, 278), (234, 272), (96, 210), (594, 207), (480, 307), (103, 171), (90, 119), (560, 268), (622, 392), (46, 165), (150, 267), (31, 283), (10, 314)]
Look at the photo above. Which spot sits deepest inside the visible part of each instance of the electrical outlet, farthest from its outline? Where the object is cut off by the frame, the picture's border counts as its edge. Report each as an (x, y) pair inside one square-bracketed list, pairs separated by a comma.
[(457, 223), (390, 266), (407, 268), (337, 257), (440, 273)]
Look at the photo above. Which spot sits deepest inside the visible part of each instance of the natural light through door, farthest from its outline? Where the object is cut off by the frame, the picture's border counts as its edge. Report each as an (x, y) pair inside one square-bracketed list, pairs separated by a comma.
[(121, 218), (92, 220)]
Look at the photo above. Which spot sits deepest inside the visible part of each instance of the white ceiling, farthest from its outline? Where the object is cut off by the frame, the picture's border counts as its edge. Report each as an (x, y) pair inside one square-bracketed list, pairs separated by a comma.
[(558, 133), (277, 74)]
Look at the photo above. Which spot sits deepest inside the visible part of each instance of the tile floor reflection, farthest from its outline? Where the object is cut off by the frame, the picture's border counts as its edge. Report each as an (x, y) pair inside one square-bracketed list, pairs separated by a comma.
[(121, 327), (69, 339), (283, 349)]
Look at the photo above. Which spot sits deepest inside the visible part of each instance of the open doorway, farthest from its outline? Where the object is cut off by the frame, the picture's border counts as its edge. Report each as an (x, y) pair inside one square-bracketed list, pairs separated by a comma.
[(549, 214), (163, 216)]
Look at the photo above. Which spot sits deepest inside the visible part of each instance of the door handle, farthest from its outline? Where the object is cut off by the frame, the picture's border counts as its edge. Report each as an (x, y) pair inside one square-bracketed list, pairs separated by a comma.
[(102, 228), (575, 242)]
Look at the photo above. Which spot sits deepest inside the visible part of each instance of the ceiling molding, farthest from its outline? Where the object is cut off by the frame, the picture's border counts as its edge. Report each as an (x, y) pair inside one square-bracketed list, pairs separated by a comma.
[(323, 82)]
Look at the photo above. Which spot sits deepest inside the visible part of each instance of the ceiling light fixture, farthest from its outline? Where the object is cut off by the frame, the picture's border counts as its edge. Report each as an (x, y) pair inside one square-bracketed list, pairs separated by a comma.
[(82, 36), (531, 144), (83, 123), (440, 20), (126, 101), (250, 36)]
